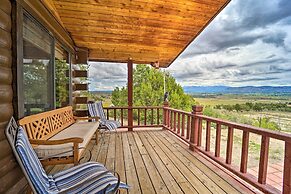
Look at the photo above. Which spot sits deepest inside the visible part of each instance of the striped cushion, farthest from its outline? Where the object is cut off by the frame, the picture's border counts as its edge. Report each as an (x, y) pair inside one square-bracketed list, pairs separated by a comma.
[(90, 177), (32, 165), (96, 109), (110, 124)]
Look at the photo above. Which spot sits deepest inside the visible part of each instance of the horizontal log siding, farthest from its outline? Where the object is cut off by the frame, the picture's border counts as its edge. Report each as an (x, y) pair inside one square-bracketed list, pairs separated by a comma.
[(11, 177)]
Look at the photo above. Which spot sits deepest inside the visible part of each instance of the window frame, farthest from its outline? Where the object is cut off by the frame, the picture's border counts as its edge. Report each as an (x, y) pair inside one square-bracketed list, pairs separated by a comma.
[(18, 55)]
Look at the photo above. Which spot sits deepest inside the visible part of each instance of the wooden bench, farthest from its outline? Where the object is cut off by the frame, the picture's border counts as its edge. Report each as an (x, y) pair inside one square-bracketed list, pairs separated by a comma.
[(59, 134)]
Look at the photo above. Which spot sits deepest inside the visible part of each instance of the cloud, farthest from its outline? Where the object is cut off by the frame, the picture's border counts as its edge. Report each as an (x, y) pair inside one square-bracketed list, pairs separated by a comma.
[(263, 62), (256, 79)]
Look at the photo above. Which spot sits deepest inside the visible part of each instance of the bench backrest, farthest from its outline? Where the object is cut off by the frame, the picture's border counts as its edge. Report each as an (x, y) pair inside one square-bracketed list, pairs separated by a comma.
[(44, 125)]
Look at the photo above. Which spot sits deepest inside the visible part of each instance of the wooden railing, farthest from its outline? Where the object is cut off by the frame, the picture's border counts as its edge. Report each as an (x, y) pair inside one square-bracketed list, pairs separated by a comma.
[(148, 116), (188, 126)]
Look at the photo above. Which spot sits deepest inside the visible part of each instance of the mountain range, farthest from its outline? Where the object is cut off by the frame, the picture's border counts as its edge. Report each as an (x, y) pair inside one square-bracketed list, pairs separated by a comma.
[(238, 90)]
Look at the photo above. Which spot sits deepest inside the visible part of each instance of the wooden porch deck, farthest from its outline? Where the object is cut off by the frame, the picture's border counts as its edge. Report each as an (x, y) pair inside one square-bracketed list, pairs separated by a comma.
[(155, 161)]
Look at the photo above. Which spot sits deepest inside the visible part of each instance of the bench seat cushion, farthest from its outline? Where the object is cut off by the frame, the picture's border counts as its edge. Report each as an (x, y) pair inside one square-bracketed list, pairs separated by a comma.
[(80, 129)]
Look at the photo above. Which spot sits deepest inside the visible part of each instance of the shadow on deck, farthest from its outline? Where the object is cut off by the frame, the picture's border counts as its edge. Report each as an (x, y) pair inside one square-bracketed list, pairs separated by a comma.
[(155, 161)]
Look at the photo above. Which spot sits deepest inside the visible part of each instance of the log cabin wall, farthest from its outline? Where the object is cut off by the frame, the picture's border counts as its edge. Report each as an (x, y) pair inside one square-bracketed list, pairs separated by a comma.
[(11, 177)]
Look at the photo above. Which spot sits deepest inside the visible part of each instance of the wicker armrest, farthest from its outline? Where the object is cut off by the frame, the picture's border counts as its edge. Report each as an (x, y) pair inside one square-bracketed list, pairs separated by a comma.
[(56, 142)]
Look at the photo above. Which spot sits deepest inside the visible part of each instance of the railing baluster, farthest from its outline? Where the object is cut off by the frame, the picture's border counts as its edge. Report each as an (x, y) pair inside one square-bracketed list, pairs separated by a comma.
[(287, 169), (158, 116), (152, 115), (218, 140), (199, 132), (179, 123), (170, 120), (145, 116), (183, 125), (138, 116), (188, 127), (208, 129), (244, 152), (175, 122), (121, 116), (115, 114), (229, 145), (263, 165)]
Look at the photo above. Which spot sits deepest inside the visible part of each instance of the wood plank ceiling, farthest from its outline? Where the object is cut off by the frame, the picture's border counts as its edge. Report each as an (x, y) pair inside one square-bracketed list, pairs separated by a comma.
[(144, 30)]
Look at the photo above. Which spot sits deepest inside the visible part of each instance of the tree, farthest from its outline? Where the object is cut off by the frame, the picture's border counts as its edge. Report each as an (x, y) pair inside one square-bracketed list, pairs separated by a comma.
[(148, 85), (265, 122), (62, 93)]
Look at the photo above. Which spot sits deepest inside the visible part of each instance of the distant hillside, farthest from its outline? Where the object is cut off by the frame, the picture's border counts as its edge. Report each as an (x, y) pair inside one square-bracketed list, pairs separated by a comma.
[(238, 90), (101, 92)]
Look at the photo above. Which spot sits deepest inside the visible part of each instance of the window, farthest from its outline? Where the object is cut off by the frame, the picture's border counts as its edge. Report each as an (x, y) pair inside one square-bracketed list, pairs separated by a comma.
[(62, 79), (38, 71)]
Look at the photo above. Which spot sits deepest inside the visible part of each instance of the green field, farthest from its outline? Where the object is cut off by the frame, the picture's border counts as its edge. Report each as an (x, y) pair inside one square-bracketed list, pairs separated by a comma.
[(239, 99)]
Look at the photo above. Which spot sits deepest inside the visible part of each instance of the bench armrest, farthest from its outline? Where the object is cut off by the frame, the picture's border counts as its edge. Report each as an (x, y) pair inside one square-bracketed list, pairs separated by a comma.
[(86, 118), (56, 142)]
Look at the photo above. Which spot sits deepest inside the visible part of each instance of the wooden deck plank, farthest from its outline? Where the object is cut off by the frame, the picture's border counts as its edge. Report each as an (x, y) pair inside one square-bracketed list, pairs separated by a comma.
[(197, 184), (110, 158), (154, 175), (143, 176), (96, 149), (220, 176), (178, 176), (131, 175), (227, 187), (103, 149), (155, 161), (169, 180), (201, 175), (119, 162)]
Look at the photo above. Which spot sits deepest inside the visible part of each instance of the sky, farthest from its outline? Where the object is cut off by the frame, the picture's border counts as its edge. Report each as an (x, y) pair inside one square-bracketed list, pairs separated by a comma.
[(248, 43)]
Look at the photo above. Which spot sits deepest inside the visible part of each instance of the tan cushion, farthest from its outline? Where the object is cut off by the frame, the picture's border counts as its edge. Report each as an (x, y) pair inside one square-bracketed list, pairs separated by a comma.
[(80, 129)]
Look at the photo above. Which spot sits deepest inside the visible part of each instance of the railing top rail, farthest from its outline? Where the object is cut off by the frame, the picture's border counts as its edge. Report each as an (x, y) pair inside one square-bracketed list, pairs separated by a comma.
[(178, 111), (260, 131), (134, 107)]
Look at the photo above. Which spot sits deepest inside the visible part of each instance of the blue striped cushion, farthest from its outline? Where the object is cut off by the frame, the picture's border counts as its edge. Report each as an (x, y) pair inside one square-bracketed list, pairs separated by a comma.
[(110, 124), (31, 163), (99, 108), (92, 177), (96, 109)]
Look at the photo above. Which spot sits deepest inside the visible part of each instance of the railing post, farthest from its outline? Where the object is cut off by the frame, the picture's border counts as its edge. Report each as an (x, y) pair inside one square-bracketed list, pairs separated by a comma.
[(130, 94), (287, 169), (196, 110), (165, 115)]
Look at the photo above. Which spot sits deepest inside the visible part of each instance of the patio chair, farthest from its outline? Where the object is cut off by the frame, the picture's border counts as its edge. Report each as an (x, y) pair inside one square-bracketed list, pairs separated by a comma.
[(96, 110), (89, 177)]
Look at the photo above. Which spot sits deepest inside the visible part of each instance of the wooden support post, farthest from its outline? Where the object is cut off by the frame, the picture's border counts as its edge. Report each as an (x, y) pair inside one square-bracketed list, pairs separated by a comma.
[(196, 110), (287, 169), (130, 94), (165, 116)]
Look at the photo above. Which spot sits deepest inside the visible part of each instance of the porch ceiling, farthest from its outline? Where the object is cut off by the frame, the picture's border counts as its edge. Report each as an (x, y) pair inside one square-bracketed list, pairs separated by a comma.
[(144, 30)]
